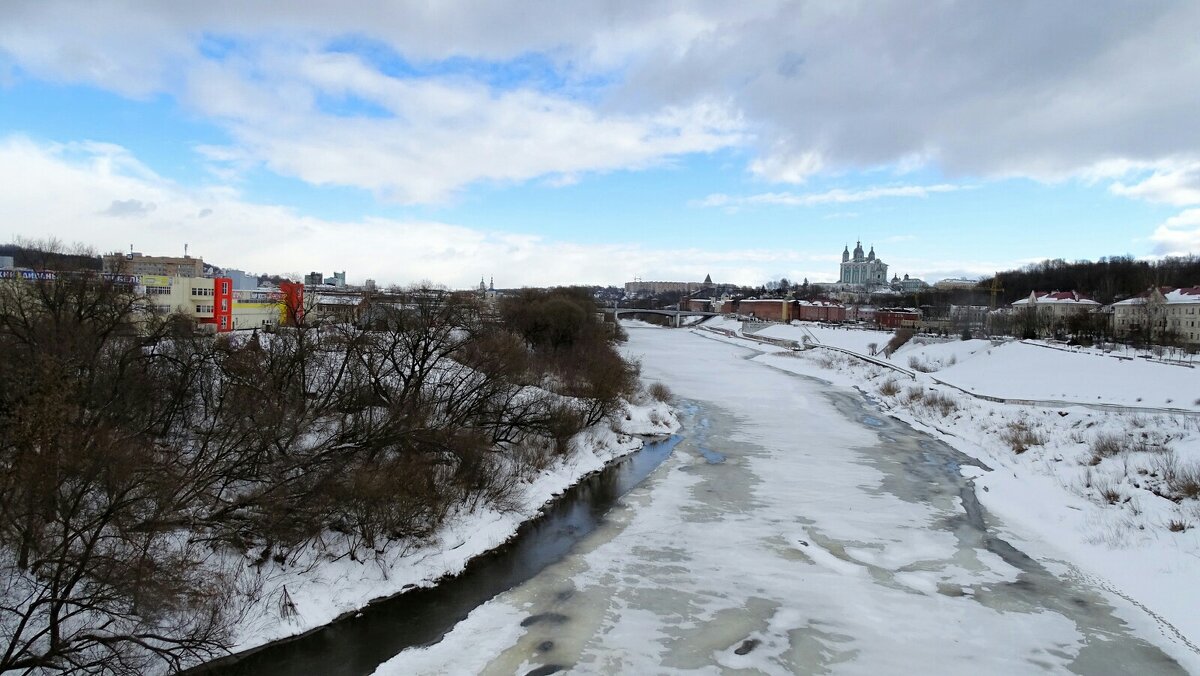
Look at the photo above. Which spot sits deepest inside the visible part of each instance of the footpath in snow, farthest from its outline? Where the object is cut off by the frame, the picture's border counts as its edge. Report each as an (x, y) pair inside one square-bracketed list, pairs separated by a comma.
[(1117, 493)]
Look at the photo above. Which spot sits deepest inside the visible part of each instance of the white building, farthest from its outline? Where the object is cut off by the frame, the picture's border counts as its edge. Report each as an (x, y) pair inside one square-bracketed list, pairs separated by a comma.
[(956, 283), (862, 270), (1052, 305), (1158, 311)]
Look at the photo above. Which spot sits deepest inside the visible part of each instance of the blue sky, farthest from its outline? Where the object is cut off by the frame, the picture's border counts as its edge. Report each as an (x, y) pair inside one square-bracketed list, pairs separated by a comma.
[(598, 143)]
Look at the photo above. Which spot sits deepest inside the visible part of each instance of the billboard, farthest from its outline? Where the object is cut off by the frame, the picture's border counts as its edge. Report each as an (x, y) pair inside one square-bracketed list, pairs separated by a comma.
[(155, 280)]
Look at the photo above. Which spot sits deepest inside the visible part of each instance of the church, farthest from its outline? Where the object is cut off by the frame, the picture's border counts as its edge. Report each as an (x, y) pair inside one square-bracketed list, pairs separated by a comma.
[(862, 270)]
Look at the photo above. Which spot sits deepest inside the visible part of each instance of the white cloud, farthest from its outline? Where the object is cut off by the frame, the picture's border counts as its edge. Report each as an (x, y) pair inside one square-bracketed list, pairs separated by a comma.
[(1047, 90), (779, 166), (1174, 184), (438, 135), (1179, 235), (835, 196), (226, 230)]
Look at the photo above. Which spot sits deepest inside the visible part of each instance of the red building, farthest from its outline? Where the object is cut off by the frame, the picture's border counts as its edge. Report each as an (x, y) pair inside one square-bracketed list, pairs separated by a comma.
[(770, 310), (897, 317), (819, 311)]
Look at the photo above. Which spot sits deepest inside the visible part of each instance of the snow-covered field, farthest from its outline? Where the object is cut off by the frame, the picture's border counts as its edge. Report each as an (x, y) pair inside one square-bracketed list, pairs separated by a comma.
[(323, 589), (1096, 484), (1015, 369), (796, 531)]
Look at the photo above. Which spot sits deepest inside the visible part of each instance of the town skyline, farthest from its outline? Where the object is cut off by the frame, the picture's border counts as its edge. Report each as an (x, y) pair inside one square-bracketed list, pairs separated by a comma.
[(597, 145)]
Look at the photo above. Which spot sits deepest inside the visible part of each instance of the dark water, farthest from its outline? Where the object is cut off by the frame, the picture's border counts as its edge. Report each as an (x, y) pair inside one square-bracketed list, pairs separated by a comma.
[(358, 645)]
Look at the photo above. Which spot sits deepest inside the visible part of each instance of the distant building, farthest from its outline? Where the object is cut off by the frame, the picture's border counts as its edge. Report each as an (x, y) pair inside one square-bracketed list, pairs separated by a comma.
[(862, 270), (771, 310), (214, 301), (819, 311), (638, 286), (241, 280), (136, 263), (314, 279), (1055, 304), (1158, 311), (6, 263), (908, 284), (973, 316), (338, 279), (897, 318), (955, 283), (369, 285)]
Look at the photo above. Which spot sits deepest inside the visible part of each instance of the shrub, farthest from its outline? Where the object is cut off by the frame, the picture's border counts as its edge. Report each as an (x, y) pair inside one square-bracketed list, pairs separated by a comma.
[(1110, 495), (661, 392), (1108, 445), (933, 400), (944, 403), (1178, 526), (918, 365), (1182, 481), (889, 387), (1020, 437)]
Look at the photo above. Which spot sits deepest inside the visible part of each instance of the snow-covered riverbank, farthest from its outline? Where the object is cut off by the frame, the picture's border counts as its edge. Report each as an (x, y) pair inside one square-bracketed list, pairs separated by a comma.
[(794, 530), (321, 590), (1102, 488)]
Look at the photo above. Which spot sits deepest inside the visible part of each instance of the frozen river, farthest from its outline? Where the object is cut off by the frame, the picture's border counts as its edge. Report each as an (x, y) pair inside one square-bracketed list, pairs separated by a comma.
[(794, 530)]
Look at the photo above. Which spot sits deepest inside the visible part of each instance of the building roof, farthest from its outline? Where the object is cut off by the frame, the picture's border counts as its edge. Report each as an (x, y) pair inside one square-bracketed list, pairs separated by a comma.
[(1056, 298), (1187, 294)]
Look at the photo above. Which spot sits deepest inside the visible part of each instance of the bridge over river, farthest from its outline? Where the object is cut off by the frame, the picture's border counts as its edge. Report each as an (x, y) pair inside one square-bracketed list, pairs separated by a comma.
[(676, 315)]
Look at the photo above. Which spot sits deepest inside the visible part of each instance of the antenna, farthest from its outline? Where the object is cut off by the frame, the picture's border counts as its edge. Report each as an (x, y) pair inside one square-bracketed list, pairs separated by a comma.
[(185, 250)]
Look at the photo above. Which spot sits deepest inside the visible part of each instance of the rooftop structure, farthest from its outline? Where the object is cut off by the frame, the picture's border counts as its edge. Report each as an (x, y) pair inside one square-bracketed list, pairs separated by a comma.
[(136, 263)]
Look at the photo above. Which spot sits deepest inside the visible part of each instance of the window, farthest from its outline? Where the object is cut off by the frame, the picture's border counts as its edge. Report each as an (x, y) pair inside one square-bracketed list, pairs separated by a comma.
[(224, 287), (224, 322), (224, 305)]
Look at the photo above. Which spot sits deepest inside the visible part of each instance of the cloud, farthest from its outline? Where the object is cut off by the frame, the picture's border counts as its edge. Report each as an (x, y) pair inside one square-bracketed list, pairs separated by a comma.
[(1179, 186), (128, 208), (1045, 90), (1179, 235), (435, 135), (227, 230), (835, 196)]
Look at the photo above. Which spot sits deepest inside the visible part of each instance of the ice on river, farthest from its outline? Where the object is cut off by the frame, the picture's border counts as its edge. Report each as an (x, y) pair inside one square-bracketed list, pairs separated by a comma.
[(791, 532)]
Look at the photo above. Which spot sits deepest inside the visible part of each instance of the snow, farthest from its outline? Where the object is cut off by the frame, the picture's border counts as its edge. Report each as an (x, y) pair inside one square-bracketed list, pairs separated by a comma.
[(1053, 493), (1014, 369), (1017, 370), (827, 541), (323, 589)]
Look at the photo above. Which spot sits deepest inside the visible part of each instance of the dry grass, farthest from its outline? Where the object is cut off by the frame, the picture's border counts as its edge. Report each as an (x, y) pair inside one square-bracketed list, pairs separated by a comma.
[(889, 387), (1181, 481), (1110, 495), (1109, 445), (931, 400), (1178, 526), (661, 392), (918, 365), (1020, 437)]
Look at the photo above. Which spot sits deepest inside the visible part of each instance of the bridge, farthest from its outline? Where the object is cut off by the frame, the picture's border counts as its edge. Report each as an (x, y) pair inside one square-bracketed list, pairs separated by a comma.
[(616, 312)]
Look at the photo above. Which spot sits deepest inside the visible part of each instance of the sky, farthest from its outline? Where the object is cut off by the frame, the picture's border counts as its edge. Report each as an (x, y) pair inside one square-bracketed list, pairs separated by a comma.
[(545, 143)]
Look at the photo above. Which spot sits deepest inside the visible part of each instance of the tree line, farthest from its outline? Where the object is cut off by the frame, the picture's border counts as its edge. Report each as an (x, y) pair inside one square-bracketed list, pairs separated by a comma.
[(1105, 280), (146, 469)]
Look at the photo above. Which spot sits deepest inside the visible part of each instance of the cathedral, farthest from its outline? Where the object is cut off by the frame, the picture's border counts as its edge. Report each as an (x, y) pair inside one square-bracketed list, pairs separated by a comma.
[(862, 270)]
